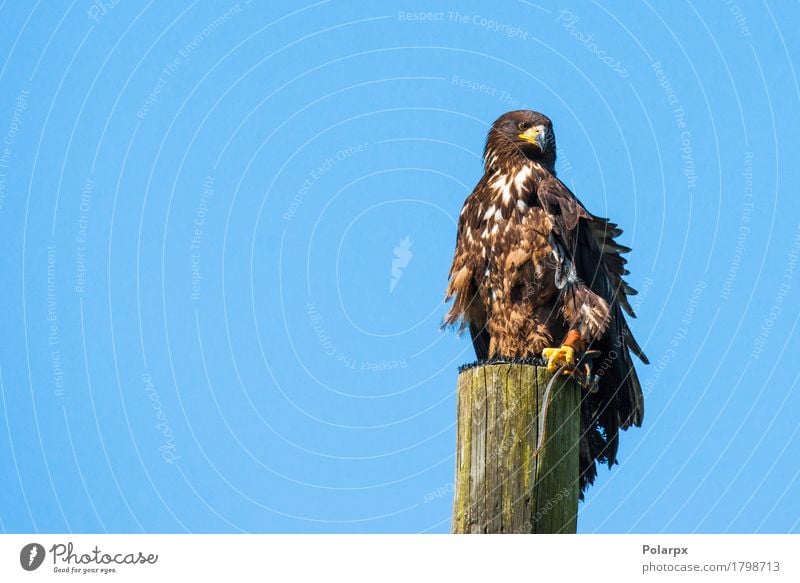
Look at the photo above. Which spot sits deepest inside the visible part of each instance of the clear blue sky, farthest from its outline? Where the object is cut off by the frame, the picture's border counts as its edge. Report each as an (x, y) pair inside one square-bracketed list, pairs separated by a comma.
[(200, 206)]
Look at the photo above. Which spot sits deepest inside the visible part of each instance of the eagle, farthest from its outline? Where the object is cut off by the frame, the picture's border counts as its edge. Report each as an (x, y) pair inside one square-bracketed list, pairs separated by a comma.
[(536, 277)]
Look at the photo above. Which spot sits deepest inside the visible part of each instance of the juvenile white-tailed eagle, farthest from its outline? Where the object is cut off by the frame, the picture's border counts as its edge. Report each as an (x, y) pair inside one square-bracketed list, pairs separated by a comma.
[(535, 273)]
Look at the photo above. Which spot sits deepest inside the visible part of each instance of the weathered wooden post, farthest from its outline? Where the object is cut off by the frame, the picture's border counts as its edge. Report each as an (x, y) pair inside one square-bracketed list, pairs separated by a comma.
[(503, 484)]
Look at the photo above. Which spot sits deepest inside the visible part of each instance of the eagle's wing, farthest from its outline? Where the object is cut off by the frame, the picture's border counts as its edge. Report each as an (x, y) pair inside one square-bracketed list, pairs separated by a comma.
[(611, 270), (592, 248), (598, 263), (469, 264)]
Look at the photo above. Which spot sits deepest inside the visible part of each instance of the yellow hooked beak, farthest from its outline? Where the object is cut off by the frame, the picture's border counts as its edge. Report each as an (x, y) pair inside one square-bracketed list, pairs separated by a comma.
[(535, 135)]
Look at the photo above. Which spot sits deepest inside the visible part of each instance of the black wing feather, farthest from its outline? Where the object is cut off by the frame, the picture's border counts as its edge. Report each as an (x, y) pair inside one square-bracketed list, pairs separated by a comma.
[(599, 263)]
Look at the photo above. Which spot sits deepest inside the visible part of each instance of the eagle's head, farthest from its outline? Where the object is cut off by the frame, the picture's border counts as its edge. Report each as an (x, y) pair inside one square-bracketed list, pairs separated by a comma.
[(521, 134)]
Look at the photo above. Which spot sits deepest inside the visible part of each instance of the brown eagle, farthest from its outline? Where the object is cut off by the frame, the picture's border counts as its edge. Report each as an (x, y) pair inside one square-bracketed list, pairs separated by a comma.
[(535, 273)]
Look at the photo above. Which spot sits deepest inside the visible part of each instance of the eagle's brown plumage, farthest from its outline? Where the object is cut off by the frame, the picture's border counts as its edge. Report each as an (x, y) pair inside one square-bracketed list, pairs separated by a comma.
[(532, 266)]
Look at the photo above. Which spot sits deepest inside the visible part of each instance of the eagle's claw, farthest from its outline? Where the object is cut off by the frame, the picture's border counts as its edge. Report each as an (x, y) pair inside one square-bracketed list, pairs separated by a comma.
[(557, 357)]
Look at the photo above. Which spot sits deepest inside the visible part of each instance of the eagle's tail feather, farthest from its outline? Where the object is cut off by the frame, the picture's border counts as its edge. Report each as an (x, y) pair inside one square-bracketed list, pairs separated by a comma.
[(618, 404)]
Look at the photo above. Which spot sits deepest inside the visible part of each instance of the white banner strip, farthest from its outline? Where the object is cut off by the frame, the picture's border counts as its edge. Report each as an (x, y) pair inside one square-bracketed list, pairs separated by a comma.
[(379, 558)]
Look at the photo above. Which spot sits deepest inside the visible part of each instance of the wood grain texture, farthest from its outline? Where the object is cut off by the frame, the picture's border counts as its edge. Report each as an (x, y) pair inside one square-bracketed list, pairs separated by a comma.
[(502, 484)]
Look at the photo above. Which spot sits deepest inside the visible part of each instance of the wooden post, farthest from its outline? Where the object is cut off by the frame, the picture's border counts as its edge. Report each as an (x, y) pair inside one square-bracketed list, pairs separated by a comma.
[(503, 485)]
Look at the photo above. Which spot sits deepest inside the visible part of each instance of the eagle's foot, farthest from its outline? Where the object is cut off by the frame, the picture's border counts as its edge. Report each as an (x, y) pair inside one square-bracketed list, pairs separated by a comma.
[(583, 372), (558, 357)]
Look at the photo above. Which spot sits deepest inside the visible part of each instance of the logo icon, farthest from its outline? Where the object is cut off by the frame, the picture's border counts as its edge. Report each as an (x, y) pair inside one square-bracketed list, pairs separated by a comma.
[(401, 259), (31, 556)]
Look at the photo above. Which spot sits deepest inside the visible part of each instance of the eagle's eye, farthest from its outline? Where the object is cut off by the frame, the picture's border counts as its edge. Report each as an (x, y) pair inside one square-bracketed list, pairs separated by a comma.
[(522, 126)]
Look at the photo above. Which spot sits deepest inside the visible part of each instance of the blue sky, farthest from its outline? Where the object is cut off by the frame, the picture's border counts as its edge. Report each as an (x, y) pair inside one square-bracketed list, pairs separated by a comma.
[(227, 230)]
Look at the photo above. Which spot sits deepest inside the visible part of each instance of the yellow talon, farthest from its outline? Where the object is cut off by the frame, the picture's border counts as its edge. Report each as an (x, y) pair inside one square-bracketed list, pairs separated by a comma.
[(558, 356)]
